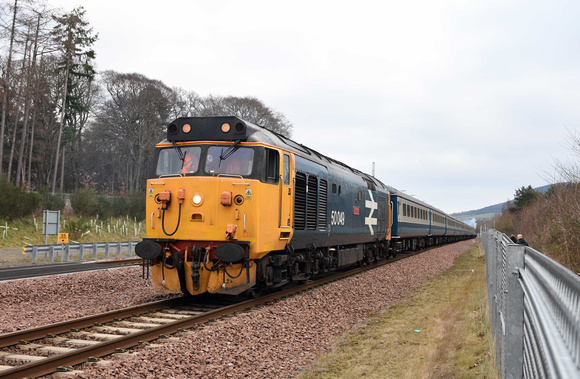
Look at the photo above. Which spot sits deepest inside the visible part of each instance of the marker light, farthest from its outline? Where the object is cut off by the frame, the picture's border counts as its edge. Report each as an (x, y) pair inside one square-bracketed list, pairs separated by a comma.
[(226, 127), (197, 199), (186, 128)]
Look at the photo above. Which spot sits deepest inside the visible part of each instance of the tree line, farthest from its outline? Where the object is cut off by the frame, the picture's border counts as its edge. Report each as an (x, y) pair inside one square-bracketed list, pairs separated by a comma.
[(550, 222), (65, 126)]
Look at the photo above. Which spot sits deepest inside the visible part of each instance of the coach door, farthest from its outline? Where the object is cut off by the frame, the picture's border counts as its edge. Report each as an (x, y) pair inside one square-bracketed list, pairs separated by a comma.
[(286, 191)]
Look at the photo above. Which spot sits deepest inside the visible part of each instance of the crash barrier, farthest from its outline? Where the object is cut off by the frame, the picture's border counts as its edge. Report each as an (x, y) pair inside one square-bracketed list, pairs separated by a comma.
[(80, 251), (534, 309)]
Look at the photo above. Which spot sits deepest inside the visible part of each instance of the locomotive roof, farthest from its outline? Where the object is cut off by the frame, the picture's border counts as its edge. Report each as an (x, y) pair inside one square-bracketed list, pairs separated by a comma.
[(214, 129), (232, 128)]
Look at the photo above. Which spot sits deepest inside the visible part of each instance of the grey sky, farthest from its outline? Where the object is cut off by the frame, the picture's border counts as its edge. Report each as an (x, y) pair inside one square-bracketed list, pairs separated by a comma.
[(458, 102)]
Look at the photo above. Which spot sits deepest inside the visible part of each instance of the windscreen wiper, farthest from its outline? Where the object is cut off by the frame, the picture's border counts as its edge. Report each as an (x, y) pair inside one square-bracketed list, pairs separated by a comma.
[(180, 154), (228, 153)]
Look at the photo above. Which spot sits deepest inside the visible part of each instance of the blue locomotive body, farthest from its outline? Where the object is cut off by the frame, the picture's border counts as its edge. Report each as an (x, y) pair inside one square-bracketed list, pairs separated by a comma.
[(352, 207)]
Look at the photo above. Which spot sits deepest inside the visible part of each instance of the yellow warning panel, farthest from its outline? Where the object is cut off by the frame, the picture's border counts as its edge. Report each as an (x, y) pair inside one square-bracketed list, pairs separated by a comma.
[(62, 237)]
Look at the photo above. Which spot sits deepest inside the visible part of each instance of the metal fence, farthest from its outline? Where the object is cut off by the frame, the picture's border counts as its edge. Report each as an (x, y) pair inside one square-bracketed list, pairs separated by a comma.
[(80, 251), (534, 311)]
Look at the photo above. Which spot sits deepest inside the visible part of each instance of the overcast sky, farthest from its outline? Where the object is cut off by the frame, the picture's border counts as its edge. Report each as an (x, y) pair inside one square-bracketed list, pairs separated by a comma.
[(458, 103)]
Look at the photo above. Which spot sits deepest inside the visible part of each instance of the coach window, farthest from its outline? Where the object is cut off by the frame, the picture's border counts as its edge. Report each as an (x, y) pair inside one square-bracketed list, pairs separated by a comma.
[(333, 188)]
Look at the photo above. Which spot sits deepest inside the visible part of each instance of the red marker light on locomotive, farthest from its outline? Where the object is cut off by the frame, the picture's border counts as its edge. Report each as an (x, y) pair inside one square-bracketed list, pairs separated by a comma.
[(226, 127)]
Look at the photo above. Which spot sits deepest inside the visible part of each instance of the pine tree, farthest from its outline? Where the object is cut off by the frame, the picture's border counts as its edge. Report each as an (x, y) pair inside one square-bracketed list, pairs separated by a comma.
[(75, 38)]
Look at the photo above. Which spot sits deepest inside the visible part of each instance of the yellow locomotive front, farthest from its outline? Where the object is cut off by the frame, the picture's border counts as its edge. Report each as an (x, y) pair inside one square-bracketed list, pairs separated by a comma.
[(218, 203)]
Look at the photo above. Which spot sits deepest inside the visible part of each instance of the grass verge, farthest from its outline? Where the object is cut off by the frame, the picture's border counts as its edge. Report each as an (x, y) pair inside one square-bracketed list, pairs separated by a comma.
[(439, 330), (28, 231)]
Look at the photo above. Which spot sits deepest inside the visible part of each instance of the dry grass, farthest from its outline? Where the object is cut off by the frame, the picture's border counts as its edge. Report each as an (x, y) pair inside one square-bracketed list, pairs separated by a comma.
[(29, 232), (439, 330)]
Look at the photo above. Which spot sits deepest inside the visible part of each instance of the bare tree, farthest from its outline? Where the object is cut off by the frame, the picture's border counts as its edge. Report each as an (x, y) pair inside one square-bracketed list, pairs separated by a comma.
[(6, 81), (248, 108), (75, 39), (130, 122)]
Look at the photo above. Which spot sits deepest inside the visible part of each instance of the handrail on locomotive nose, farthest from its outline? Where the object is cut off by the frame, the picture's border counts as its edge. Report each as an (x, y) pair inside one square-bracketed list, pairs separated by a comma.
[(231, 175)]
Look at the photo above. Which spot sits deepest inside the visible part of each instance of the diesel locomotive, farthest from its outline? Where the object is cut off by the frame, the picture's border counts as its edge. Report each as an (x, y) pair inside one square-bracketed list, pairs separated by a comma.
[(233, 207)]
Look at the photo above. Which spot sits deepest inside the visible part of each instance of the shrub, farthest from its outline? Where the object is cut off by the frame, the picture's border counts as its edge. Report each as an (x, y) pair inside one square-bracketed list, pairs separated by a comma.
[(15, 203), (550, 224), (84, 202), (49, 201), (75, 227), (136, 205)]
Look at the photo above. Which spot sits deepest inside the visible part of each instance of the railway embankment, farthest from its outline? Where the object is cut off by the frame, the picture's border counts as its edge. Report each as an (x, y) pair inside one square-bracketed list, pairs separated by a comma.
[(282, 339)]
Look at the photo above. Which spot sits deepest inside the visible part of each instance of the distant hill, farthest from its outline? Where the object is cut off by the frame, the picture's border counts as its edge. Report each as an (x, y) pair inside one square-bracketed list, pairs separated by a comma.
[(490, 211)]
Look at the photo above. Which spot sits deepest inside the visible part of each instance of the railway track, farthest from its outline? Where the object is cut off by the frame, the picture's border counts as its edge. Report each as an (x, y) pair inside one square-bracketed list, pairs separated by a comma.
[(25, 272), (43, 350)]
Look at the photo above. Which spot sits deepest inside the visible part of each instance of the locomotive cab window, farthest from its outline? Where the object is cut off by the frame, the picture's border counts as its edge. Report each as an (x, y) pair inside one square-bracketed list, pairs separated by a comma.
[(169, 162), (286, 170), (225, 160), (272, 166)]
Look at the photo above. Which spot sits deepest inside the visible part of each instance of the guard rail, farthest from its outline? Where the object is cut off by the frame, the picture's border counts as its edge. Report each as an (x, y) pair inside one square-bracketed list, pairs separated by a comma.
[(67, 252), (534, 308)]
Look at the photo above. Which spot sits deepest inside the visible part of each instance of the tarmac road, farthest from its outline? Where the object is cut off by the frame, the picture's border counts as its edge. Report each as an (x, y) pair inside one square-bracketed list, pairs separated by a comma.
[(13, 266)]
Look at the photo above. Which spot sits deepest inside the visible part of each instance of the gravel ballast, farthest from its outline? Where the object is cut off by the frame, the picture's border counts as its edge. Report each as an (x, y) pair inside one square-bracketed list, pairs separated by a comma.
[(278, 340)]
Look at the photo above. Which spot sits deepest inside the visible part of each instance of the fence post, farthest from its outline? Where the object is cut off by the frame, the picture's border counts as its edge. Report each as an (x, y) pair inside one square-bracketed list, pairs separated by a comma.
[(51, 253), (106, 249), (118, 249), (514, 314), (498, 298), (490, 262), (34, 253), (66, 252), (130, 247), (95, 248)]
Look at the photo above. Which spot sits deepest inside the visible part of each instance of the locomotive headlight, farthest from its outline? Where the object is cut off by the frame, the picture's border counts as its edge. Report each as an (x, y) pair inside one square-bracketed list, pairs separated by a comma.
[(226, 127), (197, 199)]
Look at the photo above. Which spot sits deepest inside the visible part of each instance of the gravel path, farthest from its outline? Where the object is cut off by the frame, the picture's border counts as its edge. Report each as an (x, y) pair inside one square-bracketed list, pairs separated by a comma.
[(274, 341)]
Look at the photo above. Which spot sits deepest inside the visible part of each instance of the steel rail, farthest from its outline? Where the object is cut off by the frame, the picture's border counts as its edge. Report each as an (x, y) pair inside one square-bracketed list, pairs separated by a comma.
[(51, 364), (14, 338)]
